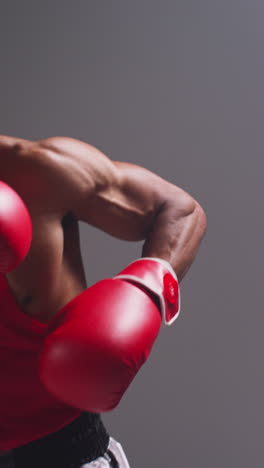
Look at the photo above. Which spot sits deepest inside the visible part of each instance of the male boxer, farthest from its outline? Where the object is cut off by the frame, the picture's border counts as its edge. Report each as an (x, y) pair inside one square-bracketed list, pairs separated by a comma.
[(69, 352)]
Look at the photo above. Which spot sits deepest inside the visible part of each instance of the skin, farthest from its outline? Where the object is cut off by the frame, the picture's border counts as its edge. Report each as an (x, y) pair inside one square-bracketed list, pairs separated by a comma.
[(63, 181)]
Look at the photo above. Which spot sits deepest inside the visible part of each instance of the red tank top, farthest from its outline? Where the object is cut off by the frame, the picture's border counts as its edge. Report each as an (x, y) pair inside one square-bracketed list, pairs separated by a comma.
[(27, 410)]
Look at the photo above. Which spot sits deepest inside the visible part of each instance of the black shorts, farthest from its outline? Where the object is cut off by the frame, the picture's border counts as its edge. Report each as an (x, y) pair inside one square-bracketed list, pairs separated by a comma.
[(82, 441)]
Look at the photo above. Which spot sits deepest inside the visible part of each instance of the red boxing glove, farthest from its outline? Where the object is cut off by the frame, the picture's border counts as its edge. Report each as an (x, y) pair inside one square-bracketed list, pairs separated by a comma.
[(102, 337), (15, 229)]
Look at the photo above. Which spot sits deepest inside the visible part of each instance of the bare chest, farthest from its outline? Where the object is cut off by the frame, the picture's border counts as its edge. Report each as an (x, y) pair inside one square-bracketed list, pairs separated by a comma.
[(52, 274)]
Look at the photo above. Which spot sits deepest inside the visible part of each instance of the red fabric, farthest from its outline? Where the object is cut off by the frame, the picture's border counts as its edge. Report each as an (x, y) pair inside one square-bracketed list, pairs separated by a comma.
[(27, 410)]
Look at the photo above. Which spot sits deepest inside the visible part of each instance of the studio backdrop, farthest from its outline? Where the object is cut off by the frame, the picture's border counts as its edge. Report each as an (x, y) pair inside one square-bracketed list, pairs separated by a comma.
[(176, 87)]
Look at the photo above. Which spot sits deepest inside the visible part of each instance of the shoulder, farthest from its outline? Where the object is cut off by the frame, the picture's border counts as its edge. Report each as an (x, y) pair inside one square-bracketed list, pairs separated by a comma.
[(55, 172), (79, 155)]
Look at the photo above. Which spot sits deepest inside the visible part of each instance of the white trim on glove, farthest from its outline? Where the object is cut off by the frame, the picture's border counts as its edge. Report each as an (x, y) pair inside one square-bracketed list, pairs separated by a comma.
[(158, 292)]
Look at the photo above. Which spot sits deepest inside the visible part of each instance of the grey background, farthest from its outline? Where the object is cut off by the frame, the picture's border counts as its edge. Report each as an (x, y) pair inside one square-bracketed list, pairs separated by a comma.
[(177, 87)]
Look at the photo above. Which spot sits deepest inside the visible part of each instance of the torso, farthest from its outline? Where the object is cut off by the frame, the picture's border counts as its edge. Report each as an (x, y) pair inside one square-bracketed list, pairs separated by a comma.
[(52, 273)]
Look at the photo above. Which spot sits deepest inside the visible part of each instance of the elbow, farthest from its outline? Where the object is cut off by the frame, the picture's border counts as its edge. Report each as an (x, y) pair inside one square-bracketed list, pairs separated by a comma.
[(201, 218), (187, 207), (198, 214)]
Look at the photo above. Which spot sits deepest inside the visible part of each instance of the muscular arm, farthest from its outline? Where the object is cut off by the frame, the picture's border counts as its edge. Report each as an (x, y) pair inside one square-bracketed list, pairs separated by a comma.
[(143, 206), (124, 200)]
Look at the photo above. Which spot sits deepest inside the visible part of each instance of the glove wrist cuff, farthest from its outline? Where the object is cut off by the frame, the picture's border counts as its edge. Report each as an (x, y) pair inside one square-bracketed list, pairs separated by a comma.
[(157, 276), (163, 262)]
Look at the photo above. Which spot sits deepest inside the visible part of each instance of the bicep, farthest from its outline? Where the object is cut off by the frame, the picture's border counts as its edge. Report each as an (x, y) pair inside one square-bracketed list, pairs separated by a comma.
[(119, 198), (96, 190)]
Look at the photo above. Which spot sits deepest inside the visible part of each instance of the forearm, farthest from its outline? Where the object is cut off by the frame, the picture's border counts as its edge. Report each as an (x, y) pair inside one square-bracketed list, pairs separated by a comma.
[(176, 234)]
